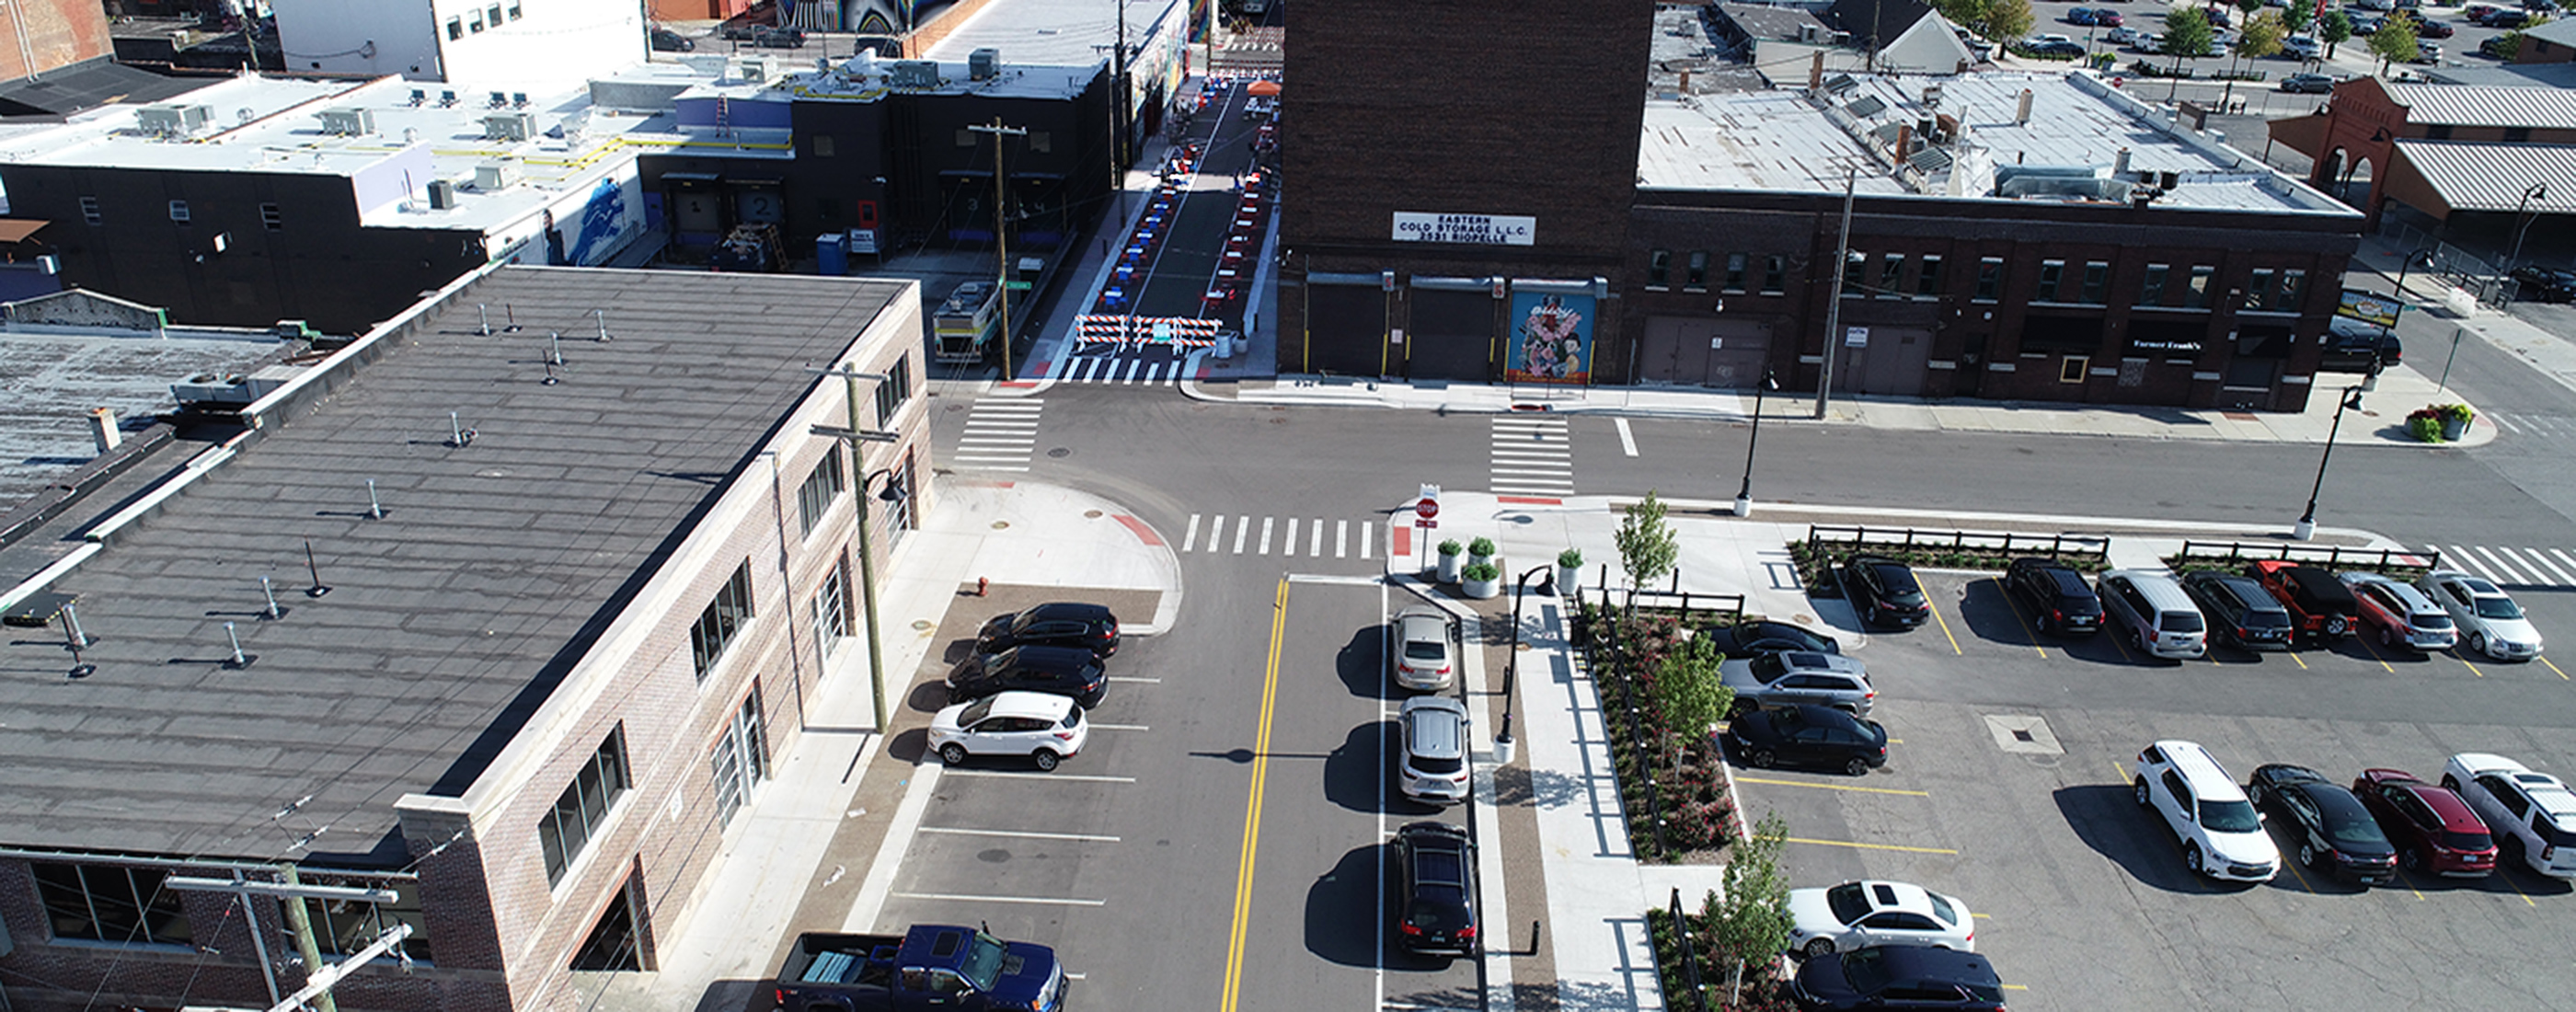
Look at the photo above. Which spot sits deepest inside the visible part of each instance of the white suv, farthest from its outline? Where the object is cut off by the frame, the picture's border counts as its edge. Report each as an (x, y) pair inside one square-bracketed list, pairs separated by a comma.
[(2222, 835), (1042, 726), (2534, 811)]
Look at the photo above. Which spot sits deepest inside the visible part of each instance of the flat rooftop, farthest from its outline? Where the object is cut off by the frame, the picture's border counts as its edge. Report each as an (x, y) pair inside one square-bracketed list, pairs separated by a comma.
[(1053, 32), (49, 381), (1782, 140), (451, 619)]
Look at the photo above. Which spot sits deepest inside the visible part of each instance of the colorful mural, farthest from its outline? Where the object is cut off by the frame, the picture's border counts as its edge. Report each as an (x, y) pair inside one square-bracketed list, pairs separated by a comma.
[(1551, 338)]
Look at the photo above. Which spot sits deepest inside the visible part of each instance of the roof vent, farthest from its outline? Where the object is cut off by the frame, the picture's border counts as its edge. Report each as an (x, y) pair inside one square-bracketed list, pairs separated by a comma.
[(170, 120), (442, 195), (1840, 83), (984, 64), (349, 122), (494, 177), (509, 126)]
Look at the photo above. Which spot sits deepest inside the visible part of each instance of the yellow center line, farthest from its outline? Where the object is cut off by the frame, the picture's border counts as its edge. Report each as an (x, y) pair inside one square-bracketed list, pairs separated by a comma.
[(1945, 625), (1873, 846), (2028, 628), (1252, 803), (2562, 676), (1833, 787), (1983, 917)]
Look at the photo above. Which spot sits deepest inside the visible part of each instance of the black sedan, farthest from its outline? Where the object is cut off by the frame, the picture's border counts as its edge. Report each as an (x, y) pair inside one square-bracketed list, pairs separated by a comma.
[(1436, 906), (1054, 624), (668, 41), (1898, 977), (1756, 638), (2059, 599), (1808, 735), (2334, 832), (2535, 283), (1061, 671), (1883, 591)]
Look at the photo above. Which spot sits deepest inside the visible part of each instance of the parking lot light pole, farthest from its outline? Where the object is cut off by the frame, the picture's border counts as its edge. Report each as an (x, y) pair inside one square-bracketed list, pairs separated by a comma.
[(1512, 665), (1744, 492), (2307, 525), (2536, 191)]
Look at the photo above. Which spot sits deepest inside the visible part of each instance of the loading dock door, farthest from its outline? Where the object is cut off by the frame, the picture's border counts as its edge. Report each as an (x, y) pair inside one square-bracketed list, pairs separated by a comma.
[(1894, 363), (1702, 351), (1346, 330), (1452, 335)]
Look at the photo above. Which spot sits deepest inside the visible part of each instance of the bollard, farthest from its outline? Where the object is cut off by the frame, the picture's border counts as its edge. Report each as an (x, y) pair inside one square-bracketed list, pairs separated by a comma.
[(983, 586)]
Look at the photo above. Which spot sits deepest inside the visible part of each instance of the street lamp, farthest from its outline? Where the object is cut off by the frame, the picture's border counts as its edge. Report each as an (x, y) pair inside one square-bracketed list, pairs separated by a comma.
[(2536, 191), (1744, 493), (1512, 667), (2307, 525)]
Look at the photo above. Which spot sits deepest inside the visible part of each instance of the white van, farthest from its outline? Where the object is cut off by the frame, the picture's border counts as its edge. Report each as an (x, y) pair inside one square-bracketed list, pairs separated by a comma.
[(2157, 615)]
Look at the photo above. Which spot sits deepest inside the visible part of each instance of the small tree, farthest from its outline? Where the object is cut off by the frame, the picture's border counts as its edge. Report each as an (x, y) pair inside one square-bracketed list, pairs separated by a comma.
[(1691, 694), (2334, 29), (2262, 38), (2395, 43), (1749, 919), (2508, 46), (1647, 546), (2297, 17), (2007, 20), (2187, 34)]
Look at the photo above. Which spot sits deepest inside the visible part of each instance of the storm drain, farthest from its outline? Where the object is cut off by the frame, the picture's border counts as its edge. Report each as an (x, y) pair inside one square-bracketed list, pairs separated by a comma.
[(2024, 733)]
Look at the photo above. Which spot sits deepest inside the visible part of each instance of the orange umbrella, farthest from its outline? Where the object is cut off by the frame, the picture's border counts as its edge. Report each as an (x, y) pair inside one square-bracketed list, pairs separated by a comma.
[(1263, 88)]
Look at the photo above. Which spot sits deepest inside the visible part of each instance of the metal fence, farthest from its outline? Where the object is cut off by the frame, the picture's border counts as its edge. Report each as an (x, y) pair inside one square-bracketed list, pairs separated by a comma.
[(1727, 607), (2469, 272), (2331, 555), (1821, 537), (1698, 1001)]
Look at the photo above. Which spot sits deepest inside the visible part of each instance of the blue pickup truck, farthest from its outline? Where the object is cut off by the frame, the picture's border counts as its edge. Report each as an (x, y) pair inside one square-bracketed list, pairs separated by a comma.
[(932, 966)]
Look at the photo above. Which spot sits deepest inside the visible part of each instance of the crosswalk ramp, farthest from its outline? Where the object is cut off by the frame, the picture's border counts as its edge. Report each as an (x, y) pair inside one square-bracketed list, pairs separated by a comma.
[(2518, 424), (1531, 456), (1150, 365), (1286, 537), (2511, 566), (1001, 434)]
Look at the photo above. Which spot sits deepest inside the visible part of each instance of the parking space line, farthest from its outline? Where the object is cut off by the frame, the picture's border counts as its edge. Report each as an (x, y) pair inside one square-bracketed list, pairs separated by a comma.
[(1872, 846), (1833, 787), (2366, 648), (1137, 679), (2506, 874), (1096, 778), (1119, 727), (1945, 625), (2115, 641), (2562, 676), (2294, 655), (2458, 654), (1018, 834), (2124, 771), (2015, 987), (2410, 884), (1045, 901), (2026, 628), (2296, 873)]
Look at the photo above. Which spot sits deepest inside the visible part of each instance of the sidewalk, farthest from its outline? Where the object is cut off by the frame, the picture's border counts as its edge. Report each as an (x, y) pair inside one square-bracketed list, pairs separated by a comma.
[(2553, 356)]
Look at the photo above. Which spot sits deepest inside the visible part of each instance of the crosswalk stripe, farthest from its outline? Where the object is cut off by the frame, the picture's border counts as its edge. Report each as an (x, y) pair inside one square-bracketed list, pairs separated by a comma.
[(2502, 424), (1265, 534), (1341, 539), (1242, 526), (1315, 539), (2540, 563), (2458, 558), (2564, 557), (1365, 525), (1288, 545), (1191, 543), (2511, 575), (1216, 532)]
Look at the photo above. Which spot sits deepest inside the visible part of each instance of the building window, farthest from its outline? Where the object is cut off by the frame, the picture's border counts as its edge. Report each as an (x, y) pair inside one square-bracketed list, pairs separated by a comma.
[(474, 22), (2197, 295), (741, 760), (1927, 281), (832, 610), (1891, 270), (2517, 134), (899, 511), (492, 14), (1990, 278), (89, 211), (2052, 276), (822, 145), (725, 616), (342, 927), (2151, 291), (514, 10), (2294, 284), (2070, 369), (1735, 264), (455, 28), (1696, 277), (272, 218), (178, 212), (2097, 283), (1659, 269), (584, 806), (96, 903), (896, 389), (822, 488), (1855, 264), (1775, 274), (2258, 289)]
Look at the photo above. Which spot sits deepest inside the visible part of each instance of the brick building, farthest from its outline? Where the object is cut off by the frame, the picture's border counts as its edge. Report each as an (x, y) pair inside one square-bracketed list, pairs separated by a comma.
[(562, 636), (2462, 159)]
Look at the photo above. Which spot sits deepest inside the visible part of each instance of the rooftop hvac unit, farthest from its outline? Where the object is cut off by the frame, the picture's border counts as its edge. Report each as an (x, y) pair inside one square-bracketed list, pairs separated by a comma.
[(349, 122), (755, 70), (233, 389), (173, 120), (984, 64), (493, 177), (509, 126), (442, 195), (916, 74)]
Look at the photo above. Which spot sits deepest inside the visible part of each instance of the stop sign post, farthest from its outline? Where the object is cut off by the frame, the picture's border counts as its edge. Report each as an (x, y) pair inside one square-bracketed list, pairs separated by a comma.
[(1425, 510)]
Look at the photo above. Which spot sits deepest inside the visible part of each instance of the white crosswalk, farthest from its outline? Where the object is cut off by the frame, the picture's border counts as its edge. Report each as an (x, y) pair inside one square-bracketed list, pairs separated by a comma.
[(1287, 537), (1138, 367), (2532, 425), (1532, 457), (1001, 433), (2513, 566)]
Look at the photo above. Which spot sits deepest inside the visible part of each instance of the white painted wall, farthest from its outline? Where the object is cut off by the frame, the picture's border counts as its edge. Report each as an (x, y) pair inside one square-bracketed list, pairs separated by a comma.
[(530, 42)]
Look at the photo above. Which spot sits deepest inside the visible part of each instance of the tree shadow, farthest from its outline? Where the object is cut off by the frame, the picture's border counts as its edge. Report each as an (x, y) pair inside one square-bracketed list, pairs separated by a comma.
[(1360, 666), (1518, 786), (2107, 818), (1343, 918)]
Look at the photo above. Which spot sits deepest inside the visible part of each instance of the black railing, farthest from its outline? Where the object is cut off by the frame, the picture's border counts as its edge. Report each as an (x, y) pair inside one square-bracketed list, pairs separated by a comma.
[(2331, 555), (1690, 957), (1821, 537)]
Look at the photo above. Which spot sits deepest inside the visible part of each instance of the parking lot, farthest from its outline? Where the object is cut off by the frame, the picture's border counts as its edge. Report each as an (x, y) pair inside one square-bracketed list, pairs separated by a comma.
[(2008, 786)]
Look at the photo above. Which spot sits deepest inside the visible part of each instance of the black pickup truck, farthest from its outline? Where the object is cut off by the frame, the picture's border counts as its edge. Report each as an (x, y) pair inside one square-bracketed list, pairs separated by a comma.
[(932, 966)]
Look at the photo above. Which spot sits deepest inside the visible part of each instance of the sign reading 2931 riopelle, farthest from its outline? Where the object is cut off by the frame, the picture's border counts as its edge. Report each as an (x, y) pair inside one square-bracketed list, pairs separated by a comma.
[(1472, 229)]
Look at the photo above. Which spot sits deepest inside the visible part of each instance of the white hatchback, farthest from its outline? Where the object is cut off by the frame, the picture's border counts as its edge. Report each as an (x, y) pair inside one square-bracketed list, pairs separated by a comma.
[(1042, 726)]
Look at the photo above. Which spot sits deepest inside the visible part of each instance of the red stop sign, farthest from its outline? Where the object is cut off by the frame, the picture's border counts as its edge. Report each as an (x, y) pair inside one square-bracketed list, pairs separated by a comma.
[(1426, 509)]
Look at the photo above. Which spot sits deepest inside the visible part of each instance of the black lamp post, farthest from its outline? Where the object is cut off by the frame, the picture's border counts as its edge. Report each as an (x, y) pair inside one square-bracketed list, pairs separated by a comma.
[(1744, 493), (2536, 191), (2307, 525), (1512, 667)]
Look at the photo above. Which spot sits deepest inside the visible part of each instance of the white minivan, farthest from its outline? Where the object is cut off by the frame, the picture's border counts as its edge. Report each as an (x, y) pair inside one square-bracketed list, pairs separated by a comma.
[(2155, 612)]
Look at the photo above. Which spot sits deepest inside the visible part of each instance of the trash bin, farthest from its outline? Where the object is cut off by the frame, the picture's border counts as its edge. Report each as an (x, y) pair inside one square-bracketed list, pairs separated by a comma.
[(832, 254)]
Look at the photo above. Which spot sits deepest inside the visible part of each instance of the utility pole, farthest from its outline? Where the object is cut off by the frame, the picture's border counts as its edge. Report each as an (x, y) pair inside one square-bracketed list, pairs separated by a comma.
[(858, 435), (1002, 241), (318, 976), (1119, 103), (1834, 292)]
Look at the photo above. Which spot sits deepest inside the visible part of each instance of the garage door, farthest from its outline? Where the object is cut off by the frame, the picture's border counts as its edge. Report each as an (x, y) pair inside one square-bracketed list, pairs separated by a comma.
[(1702, 351), (1345, 329), (1452, 335), (1893, 363)]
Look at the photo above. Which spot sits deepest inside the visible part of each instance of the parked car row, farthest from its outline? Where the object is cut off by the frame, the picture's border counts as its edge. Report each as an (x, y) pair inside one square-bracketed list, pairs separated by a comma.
[(1023, 688), (1435, 897), (2485, 807), (1876, 944), (2274, 604)]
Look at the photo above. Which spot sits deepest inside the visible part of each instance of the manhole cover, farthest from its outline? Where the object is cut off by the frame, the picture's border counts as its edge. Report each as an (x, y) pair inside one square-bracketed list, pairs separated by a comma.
[(994, 856), (1092, 514), (1059, 453), (2024, 733), (999, 524), (956, 407), (921, 624)]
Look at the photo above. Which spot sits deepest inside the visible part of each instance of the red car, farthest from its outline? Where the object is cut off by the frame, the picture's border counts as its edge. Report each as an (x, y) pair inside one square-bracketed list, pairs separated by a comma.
[(2433, 829)]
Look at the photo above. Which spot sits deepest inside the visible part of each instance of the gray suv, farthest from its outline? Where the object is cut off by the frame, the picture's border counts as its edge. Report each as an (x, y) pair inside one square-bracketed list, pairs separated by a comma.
[(1799, 676)]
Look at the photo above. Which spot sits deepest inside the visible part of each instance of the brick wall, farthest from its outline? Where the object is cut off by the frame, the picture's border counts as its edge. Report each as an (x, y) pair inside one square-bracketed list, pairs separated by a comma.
[(57, 33)]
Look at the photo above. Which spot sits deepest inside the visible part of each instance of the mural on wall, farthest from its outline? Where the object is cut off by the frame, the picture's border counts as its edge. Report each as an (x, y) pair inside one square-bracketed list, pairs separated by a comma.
[(599, 230), (1551, 338)]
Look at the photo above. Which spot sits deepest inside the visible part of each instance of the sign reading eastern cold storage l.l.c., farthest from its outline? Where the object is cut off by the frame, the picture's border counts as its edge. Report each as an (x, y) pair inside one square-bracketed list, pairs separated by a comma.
[(1471, 229)]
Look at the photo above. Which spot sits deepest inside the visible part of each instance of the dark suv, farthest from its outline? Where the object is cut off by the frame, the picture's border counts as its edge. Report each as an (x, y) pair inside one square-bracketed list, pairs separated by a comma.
[(2320, 606), (1055, 624), (1898, 977), (2351, 344), (1883, 591), (2056, 594), (1062, 671), (1436, 908), (2535, 283), (2240, 610)]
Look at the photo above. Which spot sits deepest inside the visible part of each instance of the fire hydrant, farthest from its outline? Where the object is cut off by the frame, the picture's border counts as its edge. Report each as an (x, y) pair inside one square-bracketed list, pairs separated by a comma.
[(983, 586)]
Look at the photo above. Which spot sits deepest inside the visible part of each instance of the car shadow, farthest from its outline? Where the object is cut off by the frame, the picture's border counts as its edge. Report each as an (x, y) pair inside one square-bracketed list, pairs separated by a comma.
[(1992, 614), (910, 746), (2113, 645), (927, 697), (2107, 818), (1344, 921), (957, 650), (1361, 665), (1356, 776)]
